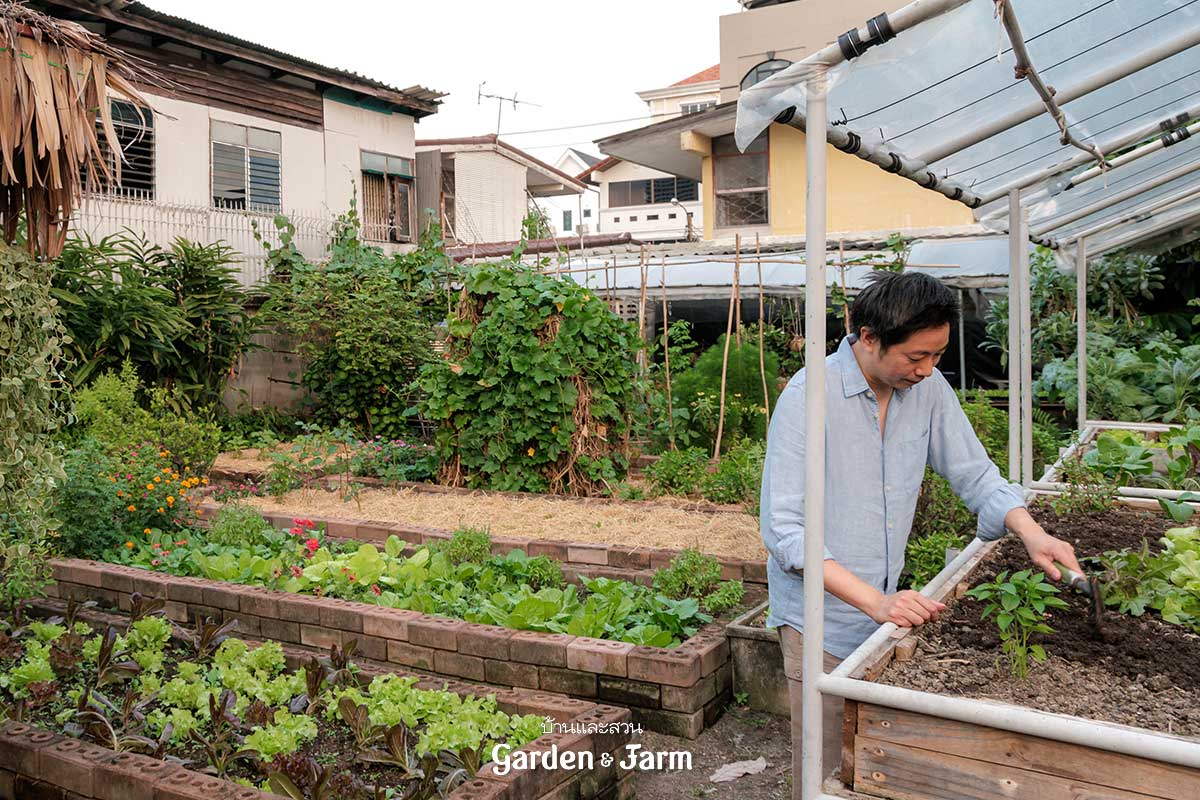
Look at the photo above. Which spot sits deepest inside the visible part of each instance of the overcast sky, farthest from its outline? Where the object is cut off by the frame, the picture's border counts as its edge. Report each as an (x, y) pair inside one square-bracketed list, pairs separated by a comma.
[(580, 62)]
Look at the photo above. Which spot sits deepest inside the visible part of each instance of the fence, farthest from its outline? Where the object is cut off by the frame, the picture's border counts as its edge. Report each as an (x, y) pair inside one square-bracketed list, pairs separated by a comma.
[(162, 222)]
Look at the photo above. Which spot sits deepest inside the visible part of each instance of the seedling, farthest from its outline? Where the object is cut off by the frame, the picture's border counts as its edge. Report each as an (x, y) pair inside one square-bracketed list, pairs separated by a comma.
[(1180, 511), (1018, 605)]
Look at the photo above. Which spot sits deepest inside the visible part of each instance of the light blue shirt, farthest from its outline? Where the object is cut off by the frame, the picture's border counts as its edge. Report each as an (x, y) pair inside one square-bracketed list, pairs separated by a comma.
[(871, 487)]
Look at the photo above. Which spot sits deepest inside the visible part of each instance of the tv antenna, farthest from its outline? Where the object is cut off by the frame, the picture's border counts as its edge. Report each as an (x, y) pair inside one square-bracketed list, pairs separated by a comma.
[(500, 101)]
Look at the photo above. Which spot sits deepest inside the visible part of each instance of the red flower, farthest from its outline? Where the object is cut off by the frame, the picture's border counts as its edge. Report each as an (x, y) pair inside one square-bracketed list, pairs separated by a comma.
[(154, 563), (297, 572), (375, 588), (352, 579), (312, 545), (295, 531), (295, 520)]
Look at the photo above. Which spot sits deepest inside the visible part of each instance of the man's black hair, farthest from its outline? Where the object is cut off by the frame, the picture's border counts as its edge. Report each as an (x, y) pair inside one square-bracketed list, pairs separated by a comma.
[(895, 305)]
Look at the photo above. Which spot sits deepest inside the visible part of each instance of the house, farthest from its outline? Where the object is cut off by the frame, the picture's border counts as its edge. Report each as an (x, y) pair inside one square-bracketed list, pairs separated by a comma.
[(239, 132), (574, 215), (762, 191), (482, 188), (650, 204)]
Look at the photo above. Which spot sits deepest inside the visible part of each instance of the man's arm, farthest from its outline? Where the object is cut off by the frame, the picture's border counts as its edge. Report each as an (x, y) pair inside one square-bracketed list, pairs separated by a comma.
[(782, 510), (956, 454)]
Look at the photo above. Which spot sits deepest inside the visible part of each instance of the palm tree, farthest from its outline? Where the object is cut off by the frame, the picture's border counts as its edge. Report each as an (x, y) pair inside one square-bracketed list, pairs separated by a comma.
[(55, 79)]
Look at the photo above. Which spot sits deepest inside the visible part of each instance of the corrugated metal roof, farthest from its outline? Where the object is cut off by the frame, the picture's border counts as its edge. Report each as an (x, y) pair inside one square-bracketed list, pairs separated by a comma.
[(419, 99)]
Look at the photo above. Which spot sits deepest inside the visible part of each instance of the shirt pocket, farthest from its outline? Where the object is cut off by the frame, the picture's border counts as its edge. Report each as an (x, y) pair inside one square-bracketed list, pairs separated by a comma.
[(909, 456)]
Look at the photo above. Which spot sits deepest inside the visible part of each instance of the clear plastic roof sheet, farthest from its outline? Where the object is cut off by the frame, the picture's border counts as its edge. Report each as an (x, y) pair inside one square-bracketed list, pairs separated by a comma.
[(936, 83)]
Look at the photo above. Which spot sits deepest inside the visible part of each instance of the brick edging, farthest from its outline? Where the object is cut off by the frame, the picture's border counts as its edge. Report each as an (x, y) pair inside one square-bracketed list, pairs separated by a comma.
[(678, 691), (31, 755), (593, 558)]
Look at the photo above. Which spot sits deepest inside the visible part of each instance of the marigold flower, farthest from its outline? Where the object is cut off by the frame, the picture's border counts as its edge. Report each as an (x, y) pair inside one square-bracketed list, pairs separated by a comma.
[(170, 500), (158, 479), (166, 470), (150, 487), (129, 545), (131, 507), (161, 510), (531, 451), (145, 530), (204, 481), (120, 494)]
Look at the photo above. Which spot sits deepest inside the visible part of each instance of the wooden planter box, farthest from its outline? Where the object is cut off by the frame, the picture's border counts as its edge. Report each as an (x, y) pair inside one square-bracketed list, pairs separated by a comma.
[(619, 562), (758, 663), (900, 755), (40, 764), (676, 691)]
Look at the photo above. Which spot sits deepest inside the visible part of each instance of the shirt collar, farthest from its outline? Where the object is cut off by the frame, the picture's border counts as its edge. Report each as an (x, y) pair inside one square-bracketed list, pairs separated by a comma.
[(853, 380)]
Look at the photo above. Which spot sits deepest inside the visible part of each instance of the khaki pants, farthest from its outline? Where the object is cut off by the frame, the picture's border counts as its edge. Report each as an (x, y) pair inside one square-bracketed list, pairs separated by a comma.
[(832, 708)]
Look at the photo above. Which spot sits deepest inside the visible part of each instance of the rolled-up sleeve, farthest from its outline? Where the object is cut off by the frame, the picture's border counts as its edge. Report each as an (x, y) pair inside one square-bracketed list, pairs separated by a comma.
[(956, 454), (781, 514)]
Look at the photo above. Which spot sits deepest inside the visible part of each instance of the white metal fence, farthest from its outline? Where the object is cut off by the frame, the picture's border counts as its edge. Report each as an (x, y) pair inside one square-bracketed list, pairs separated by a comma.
[(162, 222)]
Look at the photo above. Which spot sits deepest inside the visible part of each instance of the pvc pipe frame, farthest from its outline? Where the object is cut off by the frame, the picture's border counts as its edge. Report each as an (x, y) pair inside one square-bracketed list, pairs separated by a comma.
[(1164, 50), (1161, 143), (1015, 245), (1167, 222), (1081, 358), (1117, 143), (1119, 197), (1153, 207)]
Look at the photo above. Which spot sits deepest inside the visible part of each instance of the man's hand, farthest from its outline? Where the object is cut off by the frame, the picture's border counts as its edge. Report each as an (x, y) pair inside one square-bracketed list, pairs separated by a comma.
[(1044, 550), (906, 609)]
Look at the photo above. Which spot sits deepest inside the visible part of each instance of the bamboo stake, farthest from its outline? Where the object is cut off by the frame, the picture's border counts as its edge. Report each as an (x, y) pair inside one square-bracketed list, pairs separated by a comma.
[(725, 360), (762, 363), (662, 277), (642, 312), (737, 289)]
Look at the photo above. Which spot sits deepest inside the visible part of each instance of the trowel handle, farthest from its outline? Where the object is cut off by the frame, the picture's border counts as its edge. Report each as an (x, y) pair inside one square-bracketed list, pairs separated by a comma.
[(1074, 580)]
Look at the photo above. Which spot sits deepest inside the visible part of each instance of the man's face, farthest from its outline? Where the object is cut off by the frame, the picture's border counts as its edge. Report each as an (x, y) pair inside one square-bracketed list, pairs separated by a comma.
[(909, 362)]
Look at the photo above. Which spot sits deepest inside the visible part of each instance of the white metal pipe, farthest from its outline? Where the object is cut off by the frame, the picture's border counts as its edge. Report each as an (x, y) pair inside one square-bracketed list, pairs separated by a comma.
[(1026, 358), (1051, 473), (1027, 721), (950, 574), (1112, 145), (900, 20), (1140, 492), (1015, 245), (1108, 424), (1168, 221), (1112, 200), (1154, 206), (962, 344), (1161, 143), (1097, 80), (1081, 315), (814, 436)]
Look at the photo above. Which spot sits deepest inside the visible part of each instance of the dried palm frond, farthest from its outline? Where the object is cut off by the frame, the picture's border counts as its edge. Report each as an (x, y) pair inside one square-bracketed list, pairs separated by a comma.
[(55, 80)]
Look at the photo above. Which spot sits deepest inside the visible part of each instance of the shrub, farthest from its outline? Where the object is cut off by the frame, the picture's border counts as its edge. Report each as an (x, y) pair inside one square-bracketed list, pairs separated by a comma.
[(109, 500), (699, 388), (394, 460), (359, 324), (176, 313), (32, 403), (691, 574), (738, 476), (534, 388), (678, 471), (238, 524), (111, 411), (469, 545)]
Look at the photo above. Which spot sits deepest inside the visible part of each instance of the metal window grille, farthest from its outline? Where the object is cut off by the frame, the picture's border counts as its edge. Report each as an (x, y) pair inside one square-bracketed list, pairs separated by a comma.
[(387, 186), (696, 108), (655, 191), (134, 126), (742, 182)]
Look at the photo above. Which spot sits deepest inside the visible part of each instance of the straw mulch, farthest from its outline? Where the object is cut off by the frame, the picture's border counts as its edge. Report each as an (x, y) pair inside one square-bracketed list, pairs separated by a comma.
[(634, 524), (55, 80)]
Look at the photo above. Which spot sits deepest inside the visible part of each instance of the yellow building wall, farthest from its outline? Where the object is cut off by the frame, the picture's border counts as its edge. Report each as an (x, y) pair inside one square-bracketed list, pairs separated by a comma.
[(861, 196)]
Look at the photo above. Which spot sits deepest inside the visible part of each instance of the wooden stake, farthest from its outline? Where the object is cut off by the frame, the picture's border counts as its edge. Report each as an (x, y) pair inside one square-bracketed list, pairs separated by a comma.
[(642, 312), (725, 359), (737, 289), (845, 297), (762, 364), (667, 353)]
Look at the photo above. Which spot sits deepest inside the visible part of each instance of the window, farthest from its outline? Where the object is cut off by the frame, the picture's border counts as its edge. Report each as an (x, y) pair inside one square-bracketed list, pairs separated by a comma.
[(616, 219), (741, 182), (633, 219), (652, 192), (567, 226), (134, 126), (696, 108), (652, 218), (763, 71), (671, 216), (245, 167), (587, 213), (387, 197)]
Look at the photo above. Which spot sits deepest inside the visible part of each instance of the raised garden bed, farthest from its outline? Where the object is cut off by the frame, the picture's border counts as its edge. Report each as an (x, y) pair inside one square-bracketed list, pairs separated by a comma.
[(1142, 673), (758, 662), (677, 691), (36, 761), (619, 561), (663, 523)]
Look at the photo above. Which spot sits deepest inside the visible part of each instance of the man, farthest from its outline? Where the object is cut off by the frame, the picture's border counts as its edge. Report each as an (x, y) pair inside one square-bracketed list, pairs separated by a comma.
[(889, 414)]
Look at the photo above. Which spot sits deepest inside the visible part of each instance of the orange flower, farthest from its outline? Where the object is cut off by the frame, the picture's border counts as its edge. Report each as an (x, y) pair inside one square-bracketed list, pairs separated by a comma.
[(120, 494), (145, 530), (161, 509), (129, 545), (170, 500), (112, 479), (166, 470), (204, 481), (150, 487), (157, 479), (131, 507)]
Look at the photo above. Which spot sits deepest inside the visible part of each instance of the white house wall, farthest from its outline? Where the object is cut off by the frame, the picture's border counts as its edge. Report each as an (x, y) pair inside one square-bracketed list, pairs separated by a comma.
[(622, 219), (351, 129), (489, 197)]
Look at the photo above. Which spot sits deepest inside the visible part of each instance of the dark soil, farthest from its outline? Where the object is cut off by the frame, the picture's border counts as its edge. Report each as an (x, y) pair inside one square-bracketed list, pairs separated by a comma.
[(1140, 671)]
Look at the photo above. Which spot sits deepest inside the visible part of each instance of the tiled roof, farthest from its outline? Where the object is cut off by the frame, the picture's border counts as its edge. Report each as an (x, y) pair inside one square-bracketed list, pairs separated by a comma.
[(713, 73)]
